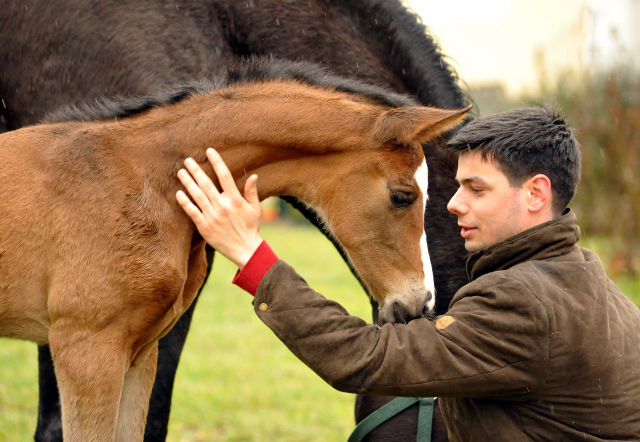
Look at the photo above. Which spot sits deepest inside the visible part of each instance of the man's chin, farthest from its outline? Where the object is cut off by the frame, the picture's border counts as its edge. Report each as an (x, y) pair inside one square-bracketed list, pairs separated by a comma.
[(472, 246)]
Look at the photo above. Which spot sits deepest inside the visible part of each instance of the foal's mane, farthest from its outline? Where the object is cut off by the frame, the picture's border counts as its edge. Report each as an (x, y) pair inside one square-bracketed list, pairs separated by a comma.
[(252, 70)]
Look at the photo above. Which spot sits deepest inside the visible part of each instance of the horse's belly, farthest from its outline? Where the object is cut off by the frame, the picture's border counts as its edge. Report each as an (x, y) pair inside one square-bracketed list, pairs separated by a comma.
[(23, 300), (24, 328), (23, 314)]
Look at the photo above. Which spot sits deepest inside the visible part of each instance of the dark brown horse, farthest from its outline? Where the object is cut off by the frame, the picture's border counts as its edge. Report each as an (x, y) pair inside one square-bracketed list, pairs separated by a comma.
[(53, 56)]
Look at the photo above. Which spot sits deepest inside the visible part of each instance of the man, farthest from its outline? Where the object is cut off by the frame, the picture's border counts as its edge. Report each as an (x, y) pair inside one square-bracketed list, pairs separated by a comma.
[(539, 346)]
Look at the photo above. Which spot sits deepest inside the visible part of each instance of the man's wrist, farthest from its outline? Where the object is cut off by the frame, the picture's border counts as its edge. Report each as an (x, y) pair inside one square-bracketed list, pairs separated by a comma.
[(249, 277), (247, 252)]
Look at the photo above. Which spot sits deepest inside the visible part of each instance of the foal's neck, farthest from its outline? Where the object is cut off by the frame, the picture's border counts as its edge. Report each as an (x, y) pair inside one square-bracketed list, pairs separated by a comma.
[(248, 139)]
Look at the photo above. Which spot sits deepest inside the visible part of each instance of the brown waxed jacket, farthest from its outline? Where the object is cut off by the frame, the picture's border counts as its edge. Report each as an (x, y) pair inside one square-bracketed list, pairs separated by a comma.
[(539, 346)]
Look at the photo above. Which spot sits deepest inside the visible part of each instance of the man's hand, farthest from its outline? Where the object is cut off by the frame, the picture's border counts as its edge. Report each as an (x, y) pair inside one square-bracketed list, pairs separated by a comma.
[(227, 221)]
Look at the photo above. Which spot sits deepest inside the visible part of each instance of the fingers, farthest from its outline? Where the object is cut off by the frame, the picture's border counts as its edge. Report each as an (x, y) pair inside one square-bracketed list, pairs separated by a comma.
[(227, 183), (206, 196), (201, 199), (204, 182), (190, 209), (251, 192)]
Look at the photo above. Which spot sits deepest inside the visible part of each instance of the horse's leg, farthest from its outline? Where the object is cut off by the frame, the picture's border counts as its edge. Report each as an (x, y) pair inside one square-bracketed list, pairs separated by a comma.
[(49, 428), (402, 427), (90, 369), (170, 349), (136, 390)]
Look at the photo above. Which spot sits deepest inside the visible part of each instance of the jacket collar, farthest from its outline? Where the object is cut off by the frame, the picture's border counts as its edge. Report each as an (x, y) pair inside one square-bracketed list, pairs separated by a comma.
[(553, 238)]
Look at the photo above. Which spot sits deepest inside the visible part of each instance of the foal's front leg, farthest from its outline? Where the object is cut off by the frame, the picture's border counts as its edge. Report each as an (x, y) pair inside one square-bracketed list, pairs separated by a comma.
[(90, 369), (134, 402)]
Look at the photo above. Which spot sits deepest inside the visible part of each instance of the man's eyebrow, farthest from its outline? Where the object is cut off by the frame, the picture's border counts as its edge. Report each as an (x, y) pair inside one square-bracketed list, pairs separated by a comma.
[(471, 180)]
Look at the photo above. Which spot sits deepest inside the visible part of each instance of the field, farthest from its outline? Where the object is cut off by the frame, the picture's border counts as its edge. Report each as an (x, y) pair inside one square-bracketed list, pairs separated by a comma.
[(236, 381)]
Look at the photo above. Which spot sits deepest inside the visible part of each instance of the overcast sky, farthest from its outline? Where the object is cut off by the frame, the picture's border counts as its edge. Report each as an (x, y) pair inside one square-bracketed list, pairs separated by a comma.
[(497, 41), (462, 11)]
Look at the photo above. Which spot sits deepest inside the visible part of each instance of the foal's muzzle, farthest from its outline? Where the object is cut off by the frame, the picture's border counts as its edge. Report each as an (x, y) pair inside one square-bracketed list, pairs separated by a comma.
[(399, 312)]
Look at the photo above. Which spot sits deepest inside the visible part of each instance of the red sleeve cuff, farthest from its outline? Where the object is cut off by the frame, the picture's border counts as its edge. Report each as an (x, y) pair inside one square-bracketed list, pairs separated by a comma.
[(252, 273)]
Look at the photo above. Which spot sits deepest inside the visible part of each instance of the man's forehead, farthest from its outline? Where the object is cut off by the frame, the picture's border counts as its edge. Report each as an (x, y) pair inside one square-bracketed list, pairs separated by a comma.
[(472, 167), (474, 179)]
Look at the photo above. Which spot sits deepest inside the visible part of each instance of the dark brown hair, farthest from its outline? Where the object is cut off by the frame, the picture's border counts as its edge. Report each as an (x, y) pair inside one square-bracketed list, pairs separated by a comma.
[(523, 143)]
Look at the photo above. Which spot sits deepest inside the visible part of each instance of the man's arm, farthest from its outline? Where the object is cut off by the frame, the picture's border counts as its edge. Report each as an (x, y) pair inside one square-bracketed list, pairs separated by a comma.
[(475, 351)]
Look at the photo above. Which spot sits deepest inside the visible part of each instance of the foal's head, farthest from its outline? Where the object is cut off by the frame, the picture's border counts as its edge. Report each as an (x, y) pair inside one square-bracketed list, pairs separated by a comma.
[(353, 153), (372, 195)]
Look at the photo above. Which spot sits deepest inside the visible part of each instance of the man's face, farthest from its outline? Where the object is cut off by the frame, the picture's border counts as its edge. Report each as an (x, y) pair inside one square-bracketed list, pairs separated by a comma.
[(489, 210)]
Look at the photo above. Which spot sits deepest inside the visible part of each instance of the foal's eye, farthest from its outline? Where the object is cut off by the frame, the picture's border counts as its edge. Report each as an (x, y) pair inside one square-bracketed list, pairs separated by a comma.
[(402, 199)]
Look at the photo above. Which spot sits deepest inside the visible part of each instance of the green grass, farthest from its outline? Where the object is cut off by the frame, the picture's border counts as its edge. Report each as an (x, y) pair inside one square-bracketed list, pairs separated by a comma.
[(18, 390), (236, 381), (627, 283)]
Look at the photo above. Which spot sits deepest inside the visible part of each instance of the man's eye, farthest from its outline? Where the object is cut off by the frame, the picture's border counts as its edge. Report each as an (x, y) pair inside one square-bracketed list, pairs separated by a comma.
[(476, 189)]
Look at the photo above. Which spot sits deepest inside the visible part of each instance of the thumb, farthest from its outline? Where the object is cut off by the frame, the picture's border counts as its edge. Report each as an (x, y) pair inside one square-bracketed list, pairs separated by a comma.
[(251, 192)]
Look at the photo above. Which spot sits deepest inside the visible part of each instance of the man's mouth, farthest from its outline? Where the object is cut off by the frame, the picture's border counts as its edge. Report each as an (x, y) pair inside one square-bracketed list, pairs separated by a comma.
[(466, 232)]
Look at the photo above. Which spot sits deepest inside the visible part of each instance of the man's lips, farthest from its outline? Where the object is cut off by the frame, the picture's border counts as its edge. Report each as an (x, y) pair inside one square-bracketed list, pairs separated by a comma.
[(466, 232)]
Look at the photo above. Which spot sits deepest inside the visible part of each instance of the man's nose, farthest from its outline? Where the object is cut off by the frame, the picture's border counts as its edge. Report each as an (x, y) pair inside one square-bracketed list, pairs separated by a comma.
[(455, 205)]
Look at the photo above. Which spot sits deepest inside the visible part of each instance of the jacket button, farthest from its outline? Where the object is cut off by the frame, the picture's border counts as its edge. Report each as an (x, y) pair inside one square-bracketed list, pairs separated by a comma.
[(262, 307)]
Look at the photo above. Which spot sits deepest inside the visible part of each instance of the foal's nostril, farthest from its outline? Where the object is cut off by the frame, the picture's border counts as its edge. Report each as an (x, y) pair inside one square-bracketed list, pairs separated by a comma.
[(399, 315), (402, 315), (429, 304)]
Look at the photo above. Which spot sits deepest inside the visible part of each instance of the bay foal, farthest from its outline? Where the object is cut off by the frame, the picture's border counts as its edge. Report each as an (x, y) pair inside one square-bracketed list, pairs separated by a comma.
[(107, 184)]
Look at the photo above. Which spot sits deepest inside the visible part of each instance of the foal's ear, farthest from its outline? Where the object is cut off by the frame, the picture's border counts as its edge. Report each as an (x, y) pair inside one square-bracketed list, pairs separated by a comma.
[(407, 125)]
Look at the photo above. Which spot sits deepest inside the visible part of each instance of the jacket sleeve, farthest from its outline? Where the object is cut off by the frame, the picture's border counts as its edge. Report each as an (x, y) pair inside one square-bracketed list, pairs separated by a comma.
[(495, 347)]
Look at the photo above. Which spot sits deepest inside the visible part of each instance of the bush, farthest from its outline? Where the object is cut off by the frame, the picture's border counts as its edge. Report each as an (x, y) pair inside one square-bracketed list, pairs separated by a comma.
[(604, 109)]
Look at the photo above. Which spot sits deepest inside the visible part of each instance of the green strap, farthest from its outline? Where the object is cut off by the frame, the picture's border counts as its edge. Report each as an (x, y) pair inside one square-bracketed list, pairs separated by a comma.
[(425, 419), (387, 411)]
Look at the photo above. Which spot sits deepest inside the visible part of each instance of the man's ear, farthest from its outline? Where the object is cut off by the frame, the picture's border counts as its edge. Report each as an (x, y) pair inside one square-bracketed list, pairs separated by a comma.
[(539, 195), (408, 125)]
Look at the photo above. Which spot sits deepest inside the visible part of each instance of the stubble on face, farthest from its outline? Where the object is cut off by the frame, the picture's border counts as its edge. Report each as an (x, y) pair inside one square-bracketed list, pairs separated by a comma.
[(505, 224), (488, 208)]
